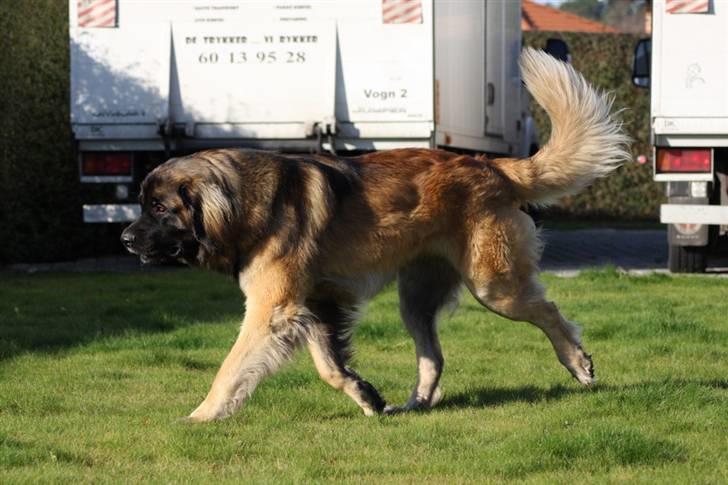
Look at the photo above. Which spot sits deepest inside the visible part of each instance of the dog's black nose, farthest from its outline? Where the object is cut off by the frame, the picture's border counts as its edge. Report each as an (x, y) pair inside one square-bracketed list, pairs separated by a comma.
[(127, 239)]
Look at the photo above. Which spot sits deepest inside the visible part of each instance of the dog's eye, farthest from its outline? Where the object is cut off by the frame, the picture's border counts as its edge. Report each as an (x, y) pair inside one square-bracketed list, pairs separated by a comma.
[(159, 208)]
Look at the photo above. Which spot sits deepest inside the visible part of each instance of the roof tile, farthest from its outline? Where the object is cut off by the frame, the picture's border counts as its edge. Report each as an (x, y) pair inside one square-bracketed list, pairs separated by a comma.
[(542, 17)]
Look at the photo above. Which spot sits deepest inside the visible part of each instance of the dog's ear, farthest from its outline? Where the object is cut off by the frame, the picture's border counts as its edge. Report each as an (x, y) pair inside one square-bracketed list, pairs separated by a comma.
[(211, 210)]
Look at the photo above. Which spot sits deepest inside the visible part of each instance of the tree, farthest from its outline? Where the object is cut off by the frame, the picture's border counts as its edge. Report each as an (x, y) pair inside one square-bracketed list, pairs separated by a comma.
[(624, 15), (592, 9)]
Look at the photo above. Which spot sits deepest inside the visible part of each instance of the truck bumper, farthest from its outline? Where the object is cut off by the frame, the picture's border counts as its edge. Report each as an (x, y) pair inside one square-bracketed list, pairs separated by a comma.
[(106, 213), (693, 214)]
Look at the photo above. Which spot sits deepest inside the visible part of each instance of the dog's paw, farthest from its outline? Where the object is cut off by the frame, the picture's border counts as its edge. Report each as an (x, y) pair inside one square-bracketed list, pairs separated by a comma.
[(436, 396), (187, 420), (204, 414), (407, 408), (583, 368), (416, 404), (194, 419), (392, 410)]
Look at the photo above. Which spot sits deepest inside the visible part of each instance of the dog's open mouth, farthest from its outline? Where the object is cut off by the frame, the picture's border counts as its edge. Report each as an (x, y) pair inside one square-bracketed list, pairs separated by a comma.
[(172, 254)]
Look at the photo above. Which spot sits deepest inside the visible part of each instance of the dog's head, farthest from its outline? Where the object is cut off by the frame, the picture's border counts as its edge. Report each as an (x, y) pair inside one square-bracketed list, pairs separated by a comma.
[(186, 207)]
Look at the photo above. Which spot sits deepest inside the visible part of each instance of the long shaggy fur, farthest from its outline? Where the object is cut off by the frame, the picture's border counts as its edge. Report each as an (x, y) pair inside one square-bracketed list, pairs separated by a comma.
[(311, 238), (586, 141)]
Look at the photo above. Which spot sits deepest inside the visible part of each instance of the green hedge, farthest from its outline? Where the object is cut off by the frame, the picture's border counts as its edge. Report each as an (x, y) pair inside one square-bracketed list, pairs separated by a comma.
[(40, 206), (606, 61), (39, 190), (40, 217)]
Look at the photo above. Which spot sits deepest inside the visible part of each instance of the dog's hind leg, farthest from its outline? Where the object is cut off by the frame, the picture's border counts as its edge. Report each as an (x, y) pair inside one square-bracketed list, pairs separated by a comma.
[(329, 341), (503, 277), (425, 287), (524, 301)]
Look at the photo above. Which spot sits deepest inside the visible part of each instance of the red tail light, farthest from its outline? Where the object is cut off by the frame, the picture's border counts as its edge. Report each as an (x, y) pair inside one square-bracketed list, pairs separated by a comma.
[(683, 160), (106, 163)]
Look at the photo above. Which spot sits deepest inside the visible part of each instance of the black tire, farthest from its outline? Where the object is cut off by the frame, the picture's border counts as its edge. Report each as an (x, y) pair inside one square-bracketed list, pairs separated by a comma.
[(687, 259)]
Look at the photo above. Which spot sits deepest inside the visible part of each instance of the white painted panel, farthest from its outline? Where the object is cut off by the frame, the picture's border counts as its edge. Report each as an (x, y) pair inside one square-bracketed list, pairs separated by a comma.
[(368, 73), (512, 88), (385, 72), (255, 71), (117, 130), (374, 129), (120, 75), (691, 126), (689, 68), (243, 11), (503, 44), (495, 69), (460, 67), (385, 144)]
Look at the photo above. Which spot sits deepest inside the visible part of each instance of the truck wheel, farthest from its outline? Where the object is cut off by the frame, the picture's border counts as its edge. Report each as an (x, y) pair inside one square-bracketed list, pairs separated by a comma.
[(687, 259)]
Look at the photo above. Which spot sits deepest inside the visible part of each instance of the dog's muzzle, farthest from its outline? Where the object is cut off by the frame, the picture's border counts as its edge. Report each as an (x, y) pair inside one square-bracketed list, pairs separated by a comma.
[(127, 239)]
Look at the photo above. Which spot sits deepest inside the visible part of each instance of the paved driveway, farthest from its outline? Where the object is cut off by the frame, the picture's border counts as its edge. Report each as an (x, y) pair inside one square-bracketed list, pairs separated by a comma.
[(627, 249)]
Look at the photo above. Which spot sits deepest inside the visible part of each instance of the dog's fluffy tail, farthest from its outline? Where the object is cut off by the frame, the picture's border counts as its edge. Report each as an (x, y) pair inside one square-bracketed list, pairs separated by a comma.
[(586, 141)]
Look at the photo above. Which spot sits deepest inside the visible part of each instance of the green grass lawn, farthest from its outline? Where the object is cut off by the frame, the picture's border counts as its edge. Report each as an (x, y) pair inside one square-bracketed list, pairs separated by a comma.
[(96, 369)]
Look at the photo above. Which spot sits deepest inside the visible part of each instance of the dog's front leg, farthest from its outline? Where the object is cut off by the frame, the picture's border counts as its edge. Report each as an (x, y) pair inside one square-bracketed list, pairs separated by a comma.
[(267, 338)]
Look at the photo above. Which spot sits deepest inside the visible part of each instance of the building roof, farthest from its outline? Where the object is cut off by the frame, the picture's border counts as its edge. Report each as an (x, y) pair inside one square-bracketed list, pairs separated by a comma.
[(542, 17)]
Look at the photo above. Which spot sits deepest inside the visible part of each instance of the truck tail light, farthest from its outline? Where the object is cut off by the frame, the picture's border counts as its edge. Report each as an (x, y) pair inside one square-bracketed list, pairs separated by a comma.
[(106, 163), (694, 160)]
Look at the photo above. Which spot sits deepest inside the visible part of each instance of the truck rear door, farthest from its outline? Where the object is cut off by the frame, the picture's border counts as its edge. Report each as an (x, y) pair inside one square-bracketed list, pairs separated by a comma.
[(503, 80), (384, 69), (478, 94), (690, 72), (254, 79), (245, 72)]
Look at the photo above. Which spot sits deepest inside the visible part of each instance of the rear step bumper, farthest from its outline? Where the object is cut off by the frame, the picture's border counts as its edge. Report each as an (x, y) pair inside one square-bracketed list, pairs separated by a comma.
[(693, 214), (105, 213)]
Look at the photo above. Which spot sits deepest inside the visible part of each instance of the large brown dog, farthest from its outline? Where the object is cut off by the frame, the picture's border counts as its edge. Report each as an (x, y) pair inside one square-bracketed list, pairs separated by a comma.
[(310, 239)]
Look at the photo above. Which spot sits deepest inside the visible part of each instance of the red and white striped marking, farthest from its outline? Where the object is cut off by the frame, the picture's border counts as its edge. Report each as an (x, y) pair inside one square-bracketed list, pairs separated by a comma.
[(96, 13), (687, 6), (402, 11)]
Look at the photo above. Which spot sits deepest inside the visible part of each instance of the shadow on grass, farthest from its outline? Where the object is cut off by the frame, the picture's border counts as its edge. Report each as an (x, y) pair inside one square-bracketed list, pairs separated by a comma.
[(53, 312), (495, 396), (649, 391)]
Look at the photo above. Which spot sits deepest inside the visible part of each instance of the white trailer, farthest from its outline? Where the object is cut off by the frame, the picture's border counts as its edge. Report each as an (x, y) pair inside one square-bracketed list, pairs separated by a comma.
[(685, 64), (154, 78)]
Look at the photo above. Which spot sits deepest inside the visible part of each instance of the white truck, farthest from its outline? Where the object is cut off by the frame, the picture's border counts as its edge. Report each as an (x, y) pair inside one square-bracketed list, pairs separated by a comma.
[(685, 64), (155, 78)]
